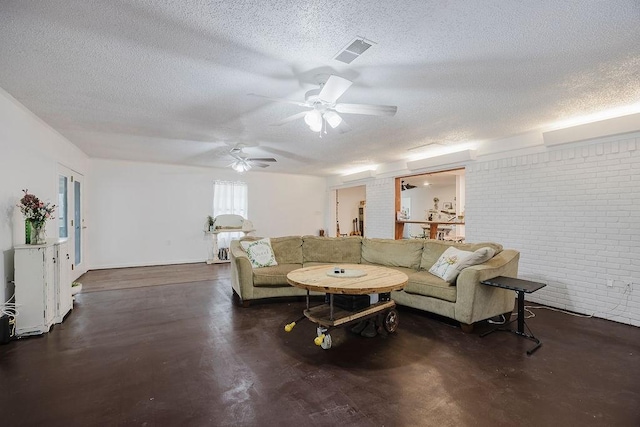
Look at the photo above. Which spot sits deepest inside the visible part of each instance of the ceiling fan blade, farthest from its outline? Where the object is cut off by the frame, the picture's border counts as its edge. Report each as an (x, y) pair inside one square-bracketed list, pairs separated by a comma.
[(290, 119), (262, 159), (370, 110), (287, 101), (344, 127), (260, 165), (334, 88)]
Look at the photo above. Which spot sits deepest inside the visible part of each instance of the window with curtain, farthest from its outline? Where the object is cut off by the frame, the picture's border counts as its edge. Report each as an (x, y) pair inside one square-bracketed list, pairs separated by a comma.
[(230, 198)]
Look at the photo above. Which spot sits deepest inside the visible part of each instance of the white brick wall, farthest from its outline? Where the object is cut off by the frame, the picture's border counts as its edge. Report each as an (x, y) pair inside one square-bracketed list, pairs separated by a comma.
[(380, 222), (574, 214)]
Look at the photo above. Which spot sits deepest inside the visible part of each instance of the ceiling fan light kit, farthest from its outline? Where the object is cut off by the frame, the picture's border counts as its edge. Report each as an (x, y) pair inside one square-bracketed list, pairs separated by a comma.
[(240, 166), (314, 120), (332, 118)]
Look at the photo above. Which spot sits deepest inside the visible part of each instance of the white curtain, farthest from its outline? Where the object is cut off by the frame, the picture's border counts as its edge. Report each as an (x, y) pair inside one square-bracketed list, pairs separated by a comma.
[(230, 198)]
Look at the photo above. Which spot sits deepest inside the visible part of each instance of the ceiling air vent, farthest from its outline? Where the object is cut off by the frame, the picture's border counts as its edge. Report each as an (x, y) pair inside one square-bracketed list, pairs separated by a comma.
[(428, 144), (353, 50)]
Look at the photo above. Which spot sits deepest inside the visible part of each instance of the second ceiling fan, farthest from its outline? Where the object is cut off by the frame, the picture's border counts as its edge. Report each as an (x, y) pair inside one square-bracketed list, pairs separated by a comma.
[(324, 108), (243, 162)]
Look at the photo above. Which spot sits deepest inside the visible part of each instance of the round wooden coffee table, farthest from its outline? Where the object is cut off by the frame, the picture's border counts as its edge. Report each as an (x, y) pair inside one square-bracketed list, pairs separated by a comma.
[(376, 279), (357, 279)]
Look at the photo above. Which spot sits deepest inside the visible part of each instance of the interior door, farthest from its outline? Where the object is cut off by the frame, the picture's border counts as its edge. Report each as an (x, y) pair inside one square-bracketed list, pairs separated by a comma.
[(71, 217)]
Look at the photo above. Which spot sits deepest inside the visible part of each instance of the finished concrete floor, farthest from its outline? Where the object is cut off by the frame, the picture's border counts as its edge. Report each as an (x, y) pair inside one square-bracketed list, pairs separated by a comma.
[(184, 354)]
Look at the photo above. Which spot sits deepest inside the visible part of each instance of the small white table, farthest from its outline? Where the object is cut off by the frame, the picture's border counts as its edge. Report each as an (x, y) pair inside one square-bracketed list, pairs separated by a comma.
[(215, 259), (226, 223)]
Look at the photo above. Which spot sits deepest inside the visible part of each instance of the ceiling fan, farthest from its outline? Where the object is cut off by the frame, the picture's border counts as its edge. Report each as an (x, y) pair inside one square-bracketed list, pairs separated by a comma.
[(324, 108), (407, 186), (243, 162)]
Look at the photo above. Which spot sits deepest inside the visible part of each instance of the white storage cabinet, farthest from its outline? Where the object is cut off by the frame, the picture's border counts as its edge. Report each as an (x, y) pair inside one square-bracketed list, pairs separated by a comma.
[(43, 290)]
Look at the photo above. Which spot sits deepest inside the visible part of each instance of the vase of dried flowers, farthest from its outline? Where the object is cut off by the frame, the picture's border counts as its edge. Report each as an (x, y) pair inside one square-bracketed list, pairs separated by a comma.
[(38, 233), (27, 231), (36, 213)]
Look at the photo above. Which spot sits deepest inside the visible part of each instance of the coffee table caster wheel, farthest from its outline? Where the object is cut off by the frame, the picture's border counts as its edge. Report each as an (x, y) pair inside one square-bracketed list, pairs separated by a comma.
[(323, 339), (326, 342), (391, 321)]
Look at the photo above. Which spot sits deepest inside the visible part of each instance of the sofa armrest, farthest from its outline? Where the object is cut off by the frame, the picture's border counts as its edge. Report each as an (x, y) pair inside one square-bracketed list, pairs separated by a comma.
[(474, 301), (241, 271)]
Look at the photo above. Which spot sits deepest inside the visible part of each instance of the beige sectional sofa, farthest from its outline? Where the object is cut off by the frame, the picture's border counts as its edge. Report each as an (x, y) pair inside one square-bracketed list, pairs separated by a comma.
[(465, 300)]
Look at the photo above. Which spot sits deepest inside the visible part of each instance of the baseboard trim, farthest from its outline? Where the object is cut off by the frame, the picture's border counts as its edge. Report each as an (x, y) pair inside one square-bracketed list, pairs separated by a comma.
[(150, 264)]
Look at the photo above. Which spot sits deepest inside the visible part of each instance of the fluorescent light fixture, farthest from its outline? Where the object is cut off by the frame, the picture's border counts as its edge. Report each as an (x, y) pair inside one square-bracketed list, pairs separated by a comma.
[(609, 127), (443, 160), (426, 184), (439, 150), (332, 118), (596, 117), (358, 176)]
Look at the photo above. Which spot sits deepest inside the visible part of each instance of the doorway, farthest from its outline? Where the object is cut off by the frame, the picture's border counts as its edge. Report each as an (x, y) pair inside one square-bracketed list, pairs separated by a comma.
[(71, 217), (351, 211), (427, 198)]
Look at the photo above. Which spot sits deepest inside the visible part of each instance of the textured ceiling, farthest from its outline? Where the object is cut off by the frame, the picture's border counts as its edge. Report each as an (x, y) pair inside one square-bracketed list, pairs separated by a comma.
[(167, 81)]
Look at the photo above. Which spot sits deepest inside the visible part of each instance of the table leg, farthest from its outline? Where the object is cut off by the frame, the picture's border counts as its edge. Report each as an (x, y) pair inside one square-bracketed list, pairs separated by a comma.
[(331, 307), (534, 339), (214, 245), (521, 326), (520, 312), (433, 231)]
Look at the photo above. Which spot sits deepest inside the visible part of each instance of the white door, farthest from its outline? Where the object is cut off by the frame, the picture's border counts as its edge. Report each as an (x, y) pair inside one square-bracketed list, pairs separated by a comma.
[(71, 217)]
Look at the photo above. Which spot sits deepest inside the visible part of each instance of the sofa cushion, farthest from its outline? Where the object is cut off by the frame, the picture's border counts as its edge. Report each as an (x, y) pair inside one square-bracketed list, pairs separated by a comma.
[(433, 249), (392, 253), (344, 250), (425, 283), (259, 252), (404, 270), (314, 264), (454, 260), (497, 248), (287, 250), (273, 276)]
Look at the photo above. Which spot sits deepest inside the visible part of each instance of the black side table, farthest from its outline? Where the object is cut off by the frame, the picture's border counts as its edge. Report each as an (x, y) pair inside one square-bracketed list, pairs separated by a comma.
[(521, 287)]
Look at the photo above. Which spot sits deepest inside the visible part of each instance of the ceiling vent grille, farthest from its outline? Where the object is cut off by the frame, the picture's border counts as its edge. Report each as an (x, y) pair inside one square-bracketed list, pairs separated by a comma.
[(353, 50), (428, 144)]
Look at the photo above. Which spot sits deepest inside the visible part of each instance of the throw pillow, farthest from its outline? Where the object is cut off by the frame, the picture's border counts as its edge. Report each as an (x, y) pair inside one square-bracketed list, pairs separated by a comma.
[(453, 261), (260, 253)]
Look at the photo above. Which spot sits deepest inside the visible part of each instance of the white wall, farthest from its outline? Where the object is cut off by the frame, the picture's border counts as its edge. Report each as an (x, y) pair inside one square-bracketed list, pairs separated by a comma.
[(30, 152), (381, 215), (152, 214), (574, 214)]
